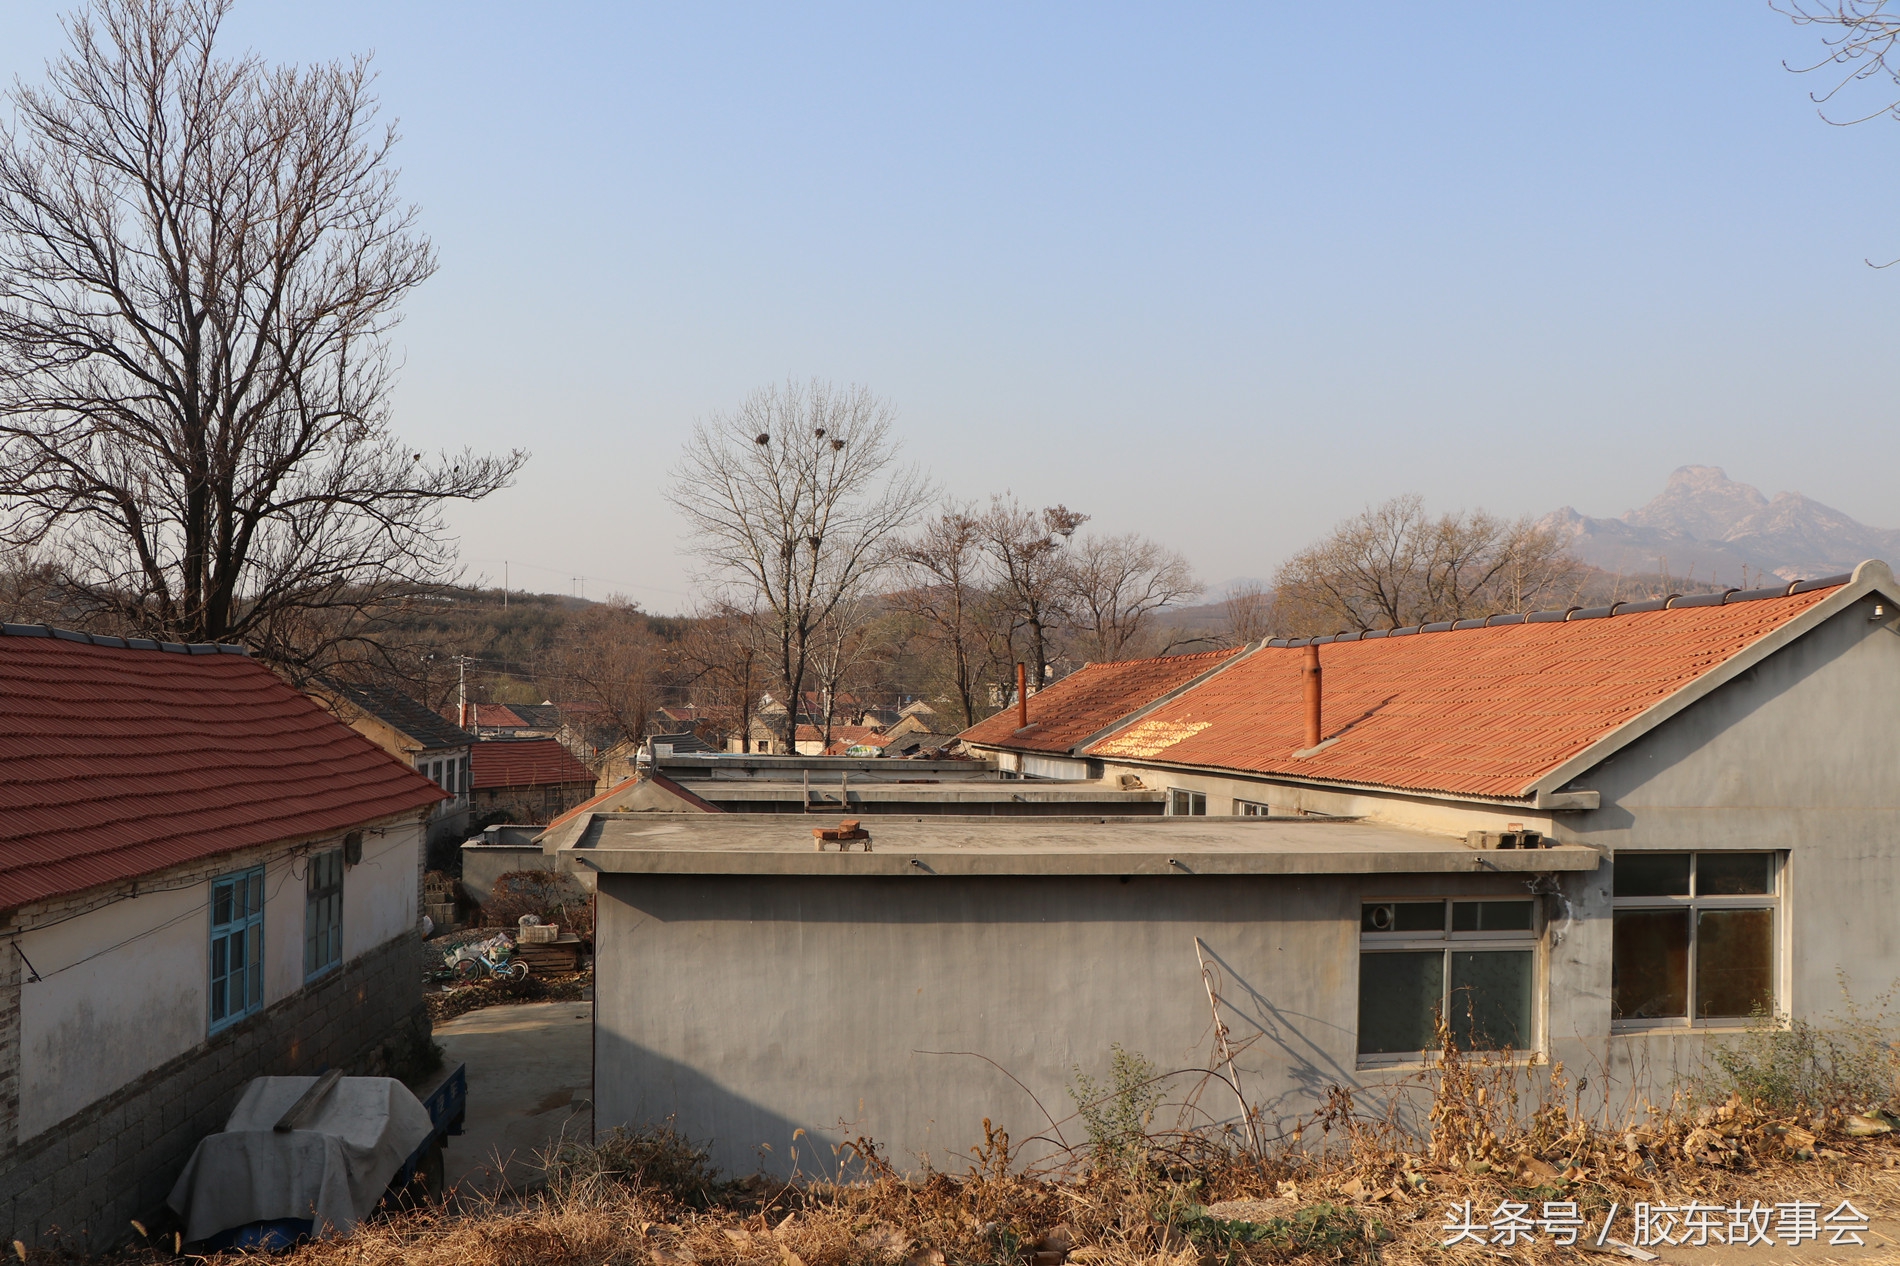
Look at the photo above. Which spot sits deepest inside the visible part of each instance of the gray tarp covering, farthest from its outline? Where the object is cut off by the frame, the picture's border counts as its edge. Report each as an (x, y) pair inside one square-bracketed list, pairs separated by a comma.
[(332, 1172)]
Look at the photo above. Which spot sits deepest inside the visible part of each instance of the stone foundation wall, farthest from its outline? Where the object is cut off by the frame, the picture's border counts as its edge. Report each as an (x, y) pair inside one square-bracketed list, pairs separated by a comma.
[(82, 1182)]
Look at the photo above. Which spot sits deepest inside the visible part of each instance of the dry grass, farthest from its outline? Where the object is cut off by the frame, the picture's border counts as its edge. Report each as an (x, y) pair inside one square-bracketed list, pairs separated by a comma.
[(1350, 1185)]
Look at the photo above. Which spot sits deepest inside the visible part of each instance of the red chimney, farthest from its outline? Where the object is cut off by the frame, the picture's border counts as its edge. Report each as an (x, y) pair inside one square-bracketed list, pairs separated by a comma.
[(1309, 675), (1022, 697)]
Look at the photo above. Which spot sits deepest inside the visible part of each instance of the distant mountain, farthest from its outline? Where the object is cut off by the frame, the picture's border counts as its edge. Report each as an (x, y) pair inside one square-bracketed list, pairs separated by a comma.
[(1707, 527)]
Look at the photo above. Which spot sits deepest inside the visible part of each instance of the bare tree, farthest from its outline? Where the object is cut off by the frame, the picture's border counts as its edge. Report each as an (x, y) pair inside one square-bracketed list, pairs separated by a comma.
[(1860, 37), (1392, 565), (1025, 549), (848, 644), (1247, 614), (719, 663), (200, 261), (608, 659), (1365, 575), (1117, 584), (945, 593), (796, 501)]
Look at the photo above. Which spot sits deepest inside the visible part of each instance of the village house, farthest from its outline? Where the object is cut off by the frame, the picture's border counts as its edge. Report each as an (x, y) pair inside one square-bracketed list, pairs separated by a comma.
[(1606, 837), (526, 780), (432, 746), (204, 877)]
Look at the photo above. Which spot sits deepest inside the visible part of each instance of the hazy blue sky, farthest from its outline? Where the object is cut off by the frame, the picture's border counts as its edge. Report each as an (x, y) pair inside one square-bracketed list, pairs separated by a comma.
[(1218, 274)]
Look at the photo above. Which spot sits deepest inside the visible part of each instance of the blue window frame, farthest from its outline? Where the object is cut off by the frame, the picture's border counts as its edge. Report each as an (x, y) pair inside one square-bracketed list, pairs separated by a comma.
[(237, 946), (323, 914)]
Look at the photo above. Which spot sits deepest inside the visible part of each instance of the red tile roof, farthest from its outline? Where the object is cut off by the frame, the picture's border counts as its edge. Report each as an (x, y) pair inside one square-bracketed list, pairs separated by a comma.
[(117, 761), (1091, 699), (1481, 711), (523, 763), (494, 715)]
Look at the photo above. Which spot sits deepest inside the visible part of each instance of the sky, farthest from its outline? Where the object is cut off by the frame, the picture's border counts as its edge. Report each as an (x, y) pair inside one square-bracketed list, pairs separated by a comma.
[(1221, 275)]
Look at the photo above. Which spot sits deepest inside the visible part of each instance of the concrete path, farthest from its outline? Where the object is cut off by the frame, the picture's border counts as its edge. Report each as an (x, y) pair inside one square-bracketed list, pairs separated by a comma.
[(530, 1085)]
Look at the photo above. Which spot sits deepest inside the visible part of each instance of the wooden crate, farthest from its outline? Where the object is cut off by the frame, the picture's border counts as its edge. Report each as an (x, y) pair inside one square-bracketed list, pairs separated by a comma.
[(561, 956)]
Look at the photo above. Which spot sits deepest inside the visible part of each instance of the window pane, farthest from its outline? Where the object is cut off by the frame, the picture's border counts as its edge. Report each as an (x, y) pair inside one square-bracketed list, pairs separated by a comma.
[(1734, 962), (1490, 916), (1652, 874), (1733, 874), (220, 903), (1649, 964), (1491, 999), (1398, 1001), (1403, 916), (256, 903)]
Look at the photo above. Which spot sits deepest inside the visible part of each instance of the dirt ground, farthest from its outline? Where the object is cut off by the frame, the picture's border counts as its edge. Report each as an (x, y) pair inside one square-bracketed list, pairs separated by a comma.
[(530, 1085)]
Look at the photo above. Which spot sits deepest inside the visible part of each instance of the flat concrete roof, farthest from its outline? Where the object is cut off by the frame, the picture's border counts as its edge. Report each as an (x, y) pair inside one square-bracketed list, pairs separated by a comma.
[(781, 844), (689, 766), (959, 791)]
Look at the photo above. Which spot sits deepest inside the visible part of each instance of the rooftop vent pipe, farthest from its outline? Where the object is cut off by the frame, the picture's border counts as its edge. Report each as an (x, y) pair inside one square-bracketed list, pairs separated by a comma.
[(1022, 697), (1309, 679)]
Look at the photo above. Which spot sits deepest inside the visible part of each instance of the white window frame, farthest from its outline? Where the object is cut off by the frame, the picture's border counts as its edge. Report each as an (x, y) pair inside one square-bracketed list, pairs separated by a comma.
[(1450, 942), (1251, 808), (1777, 980), (1190, 797), (322, 914)]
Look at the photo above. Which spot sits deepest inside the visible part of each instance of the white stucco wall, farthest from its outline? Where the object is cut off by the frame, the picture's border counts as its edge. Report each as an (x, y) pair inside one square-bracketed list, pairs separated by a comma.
[(379, 893), (123, 990), (283, 927), (125, 986)]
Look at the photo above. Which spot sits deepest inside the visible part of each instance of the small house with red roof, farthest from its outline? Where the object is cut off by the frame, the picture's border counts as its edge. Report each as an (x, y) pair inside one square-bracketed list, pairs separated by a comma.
[(205, 877), (1608, 837), (530, 781)]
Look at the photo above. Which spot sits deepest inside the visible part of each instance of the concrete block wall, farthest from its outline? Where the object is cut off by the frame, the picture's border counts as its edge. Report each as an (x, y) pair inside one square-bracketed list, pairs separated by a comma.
[(80, 1184)]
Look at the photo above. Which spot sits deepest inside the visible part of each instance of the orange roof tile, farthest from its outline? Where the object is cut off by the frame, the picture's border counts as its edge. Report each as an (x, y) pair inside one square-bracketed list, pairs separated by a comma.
[(1479, 711), (1091, 699)]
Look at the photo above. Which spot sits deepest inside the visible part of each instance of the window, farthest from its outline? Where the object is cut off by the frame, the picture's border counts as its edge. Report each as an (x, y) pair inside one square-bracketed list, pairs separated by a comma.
[(237, 946), (1187, 803), (1473, 962), (1694, 938), (323, 913), (1251, 809)]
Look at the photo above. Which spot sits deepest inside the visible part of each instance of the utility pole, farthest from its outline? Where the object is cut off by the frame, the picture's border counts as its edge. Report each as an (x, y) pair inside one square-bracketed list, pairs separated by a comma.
[(504, 584)]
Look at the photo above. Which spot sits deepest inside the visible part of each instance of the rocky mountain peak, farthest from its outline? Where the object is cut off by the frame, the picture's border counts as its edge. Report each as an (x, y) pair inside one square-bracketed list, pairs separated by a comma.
[(1709, 528), (1700, 501)]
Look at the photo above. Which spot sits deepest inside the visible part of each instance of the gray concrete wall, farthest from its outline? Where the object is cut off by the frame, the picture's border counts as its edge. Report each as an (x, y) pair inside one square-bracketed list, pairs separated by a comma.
[(906, 1010), (1800, 754), (80, 1183), (483, 864)]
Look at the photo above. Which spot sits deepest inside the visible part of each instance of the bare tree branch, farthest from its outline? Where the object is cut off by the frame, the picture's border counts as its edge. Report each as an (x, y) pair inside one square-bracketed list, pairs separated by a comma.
[(200, 262), (795, 501)]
